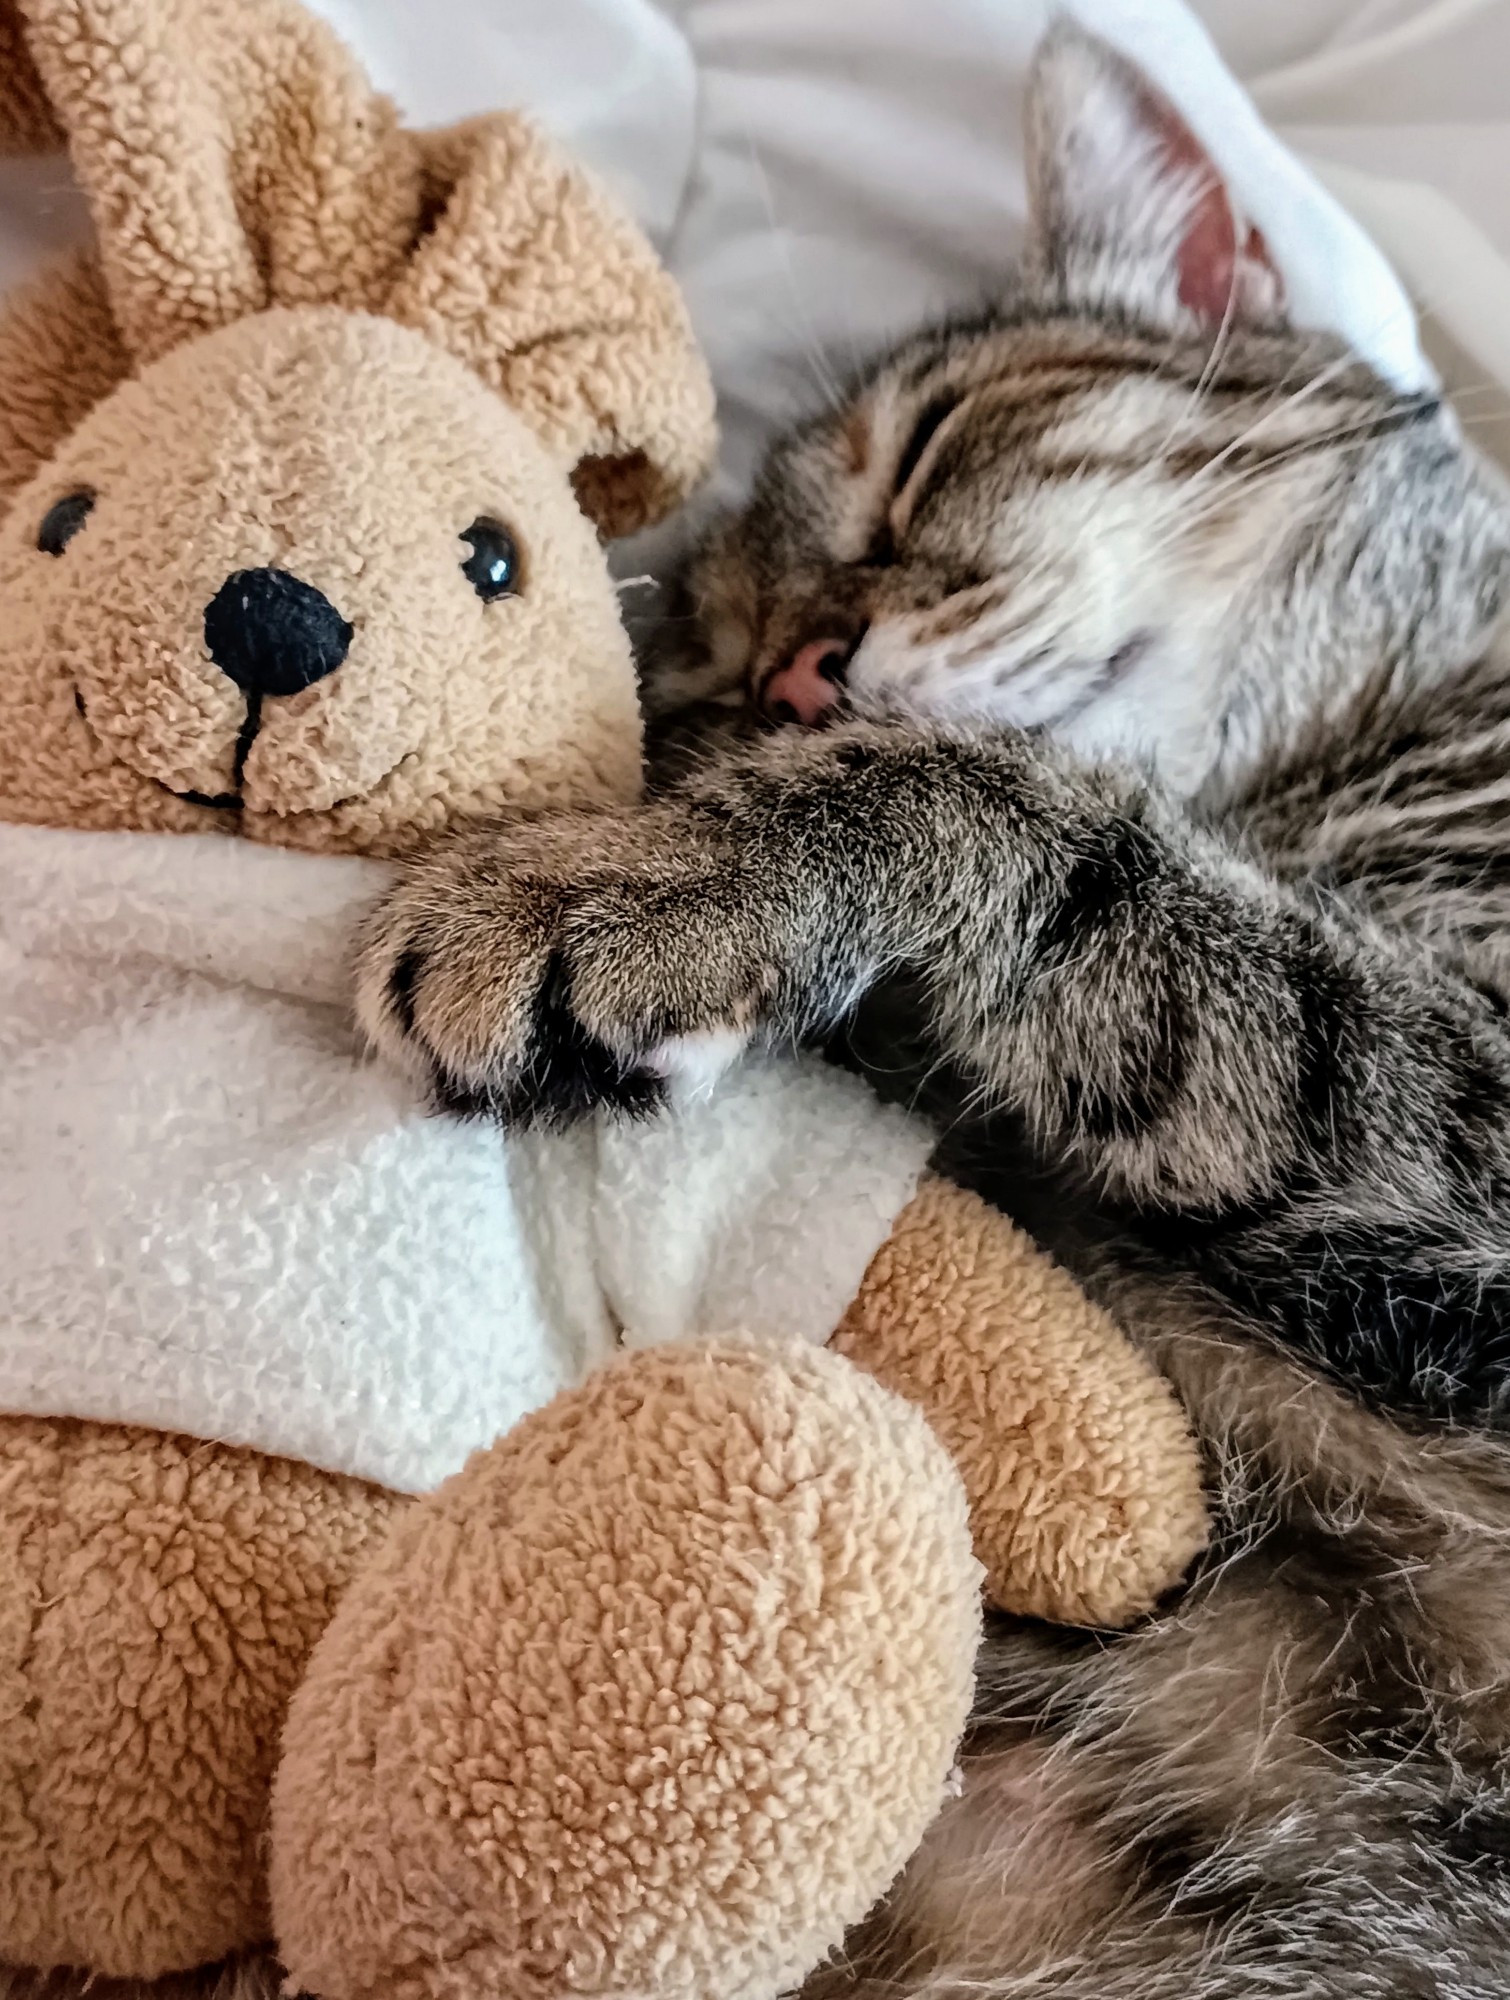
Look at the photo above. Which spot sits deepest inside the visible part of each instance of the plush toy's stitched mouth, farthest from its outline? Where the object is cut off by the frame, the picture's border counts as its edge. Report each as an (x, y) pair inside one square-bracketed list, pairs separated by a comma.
[(221, 801), (233, 801)]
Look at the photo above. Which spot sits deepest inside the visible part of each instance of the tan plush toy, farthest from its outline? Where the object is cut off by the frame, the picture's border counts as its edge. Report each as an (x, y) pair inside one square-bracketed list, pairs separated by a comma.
[(301, 483)]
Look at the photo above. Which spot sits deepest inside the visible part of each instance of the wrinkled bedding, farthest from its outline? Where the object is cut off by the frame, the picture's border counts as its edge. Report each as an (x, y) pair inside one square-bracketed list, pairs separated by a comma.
[(821, 173)]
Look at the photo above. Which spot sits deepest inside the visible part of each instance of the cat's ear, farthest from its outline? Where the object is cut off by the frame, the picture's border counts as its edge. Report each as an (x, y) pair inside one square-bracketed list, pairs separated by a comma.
[(1128, 211)]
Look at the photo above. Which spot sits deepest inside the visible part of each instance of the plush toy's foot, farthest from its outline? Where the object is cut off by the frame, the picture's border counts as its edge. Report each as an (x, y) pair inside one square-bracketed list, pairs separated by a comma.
[(653, 1699), (1083, 1478), (158, 1600)]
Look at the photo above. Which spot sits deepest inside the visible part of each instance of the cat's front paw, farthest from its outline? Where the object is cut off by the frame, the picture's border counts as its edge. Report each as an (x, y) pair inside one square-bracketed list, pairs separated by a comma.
[(536, 970)]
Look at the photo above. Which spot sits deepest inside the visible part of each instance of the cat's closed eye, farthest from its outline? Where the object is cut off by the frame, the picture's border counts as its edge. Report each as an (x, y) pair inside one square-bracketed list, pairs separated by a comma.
[(929, 422)]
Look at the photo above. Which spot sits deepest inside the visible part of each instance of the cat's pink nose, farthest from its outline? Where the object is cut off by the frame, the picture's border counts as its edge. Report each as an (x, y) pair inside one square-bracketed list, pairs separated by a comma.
[(808, 686)]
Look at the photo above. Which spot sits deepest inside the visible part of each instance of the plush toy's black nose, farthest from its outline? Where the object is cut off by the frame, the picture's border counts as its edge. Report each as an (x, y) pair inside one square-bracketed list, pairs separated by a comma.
[(272, 634)]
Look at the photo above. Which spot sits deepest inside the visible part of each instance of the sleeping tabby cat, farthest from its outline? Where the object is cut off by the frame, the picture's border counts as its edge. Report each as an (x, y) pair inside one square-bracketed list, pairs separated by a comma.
[(1168, 769)]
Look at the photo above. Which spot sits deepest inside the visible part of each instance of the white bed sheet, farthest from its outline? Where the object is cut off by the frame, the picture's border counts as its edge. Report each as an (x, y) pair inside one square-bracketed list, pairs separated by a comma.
[(822, 173)]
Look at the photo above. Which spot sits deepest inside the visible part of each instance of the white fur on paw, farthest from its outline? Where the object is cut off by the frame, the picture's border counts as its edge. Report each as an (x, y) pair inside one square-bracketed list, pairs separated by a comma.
[(694, 1064)]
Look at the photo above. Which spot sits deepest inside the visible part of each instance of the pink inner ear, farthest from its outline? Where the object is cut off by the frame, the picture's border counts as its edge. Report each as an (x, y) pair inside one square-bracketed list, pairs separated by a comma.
[(1217, 276)]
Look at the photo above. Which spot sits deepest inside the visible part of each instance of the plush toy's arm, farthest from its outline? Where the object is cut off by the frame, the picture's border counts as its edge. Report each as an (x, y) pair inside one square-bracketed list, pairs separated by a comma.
[(59, 355), (1083, 1479)]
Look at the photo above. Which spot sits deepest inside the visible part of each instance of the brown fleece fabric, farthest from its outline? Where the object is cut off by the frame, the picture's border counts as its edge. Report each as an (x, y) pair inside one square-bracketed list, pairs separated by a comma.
[(508, 1769), (657, 1696), (160, 1599), (1083, 1479)]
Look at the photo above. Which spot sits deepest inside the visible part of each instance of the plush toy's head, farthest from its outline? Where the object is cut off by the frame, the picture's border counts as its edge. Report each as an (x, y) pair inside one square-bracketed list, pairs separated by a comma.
[(305, 579), (303, 475)]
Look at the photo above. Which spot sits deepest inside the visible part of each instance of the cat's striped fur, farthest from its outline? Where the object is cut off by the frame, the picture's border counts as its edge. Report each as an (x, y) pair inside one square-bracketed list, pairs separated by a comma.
[(1201, 914)]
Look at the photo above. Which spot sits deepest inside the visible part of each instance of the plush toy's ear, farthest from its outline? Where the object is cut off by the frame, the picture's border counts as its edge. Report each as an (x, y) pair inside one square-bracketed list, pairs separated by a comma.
[(1128, 211), (532, 274), (26, 121), (234, 158)]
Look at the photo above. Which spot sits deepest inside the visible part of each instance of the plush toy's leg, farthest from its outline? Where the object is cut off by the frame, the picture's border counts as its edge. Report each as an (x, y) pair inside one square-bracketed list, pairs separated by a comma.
[(158, 1601), (653, 1699), (1083, 1478)]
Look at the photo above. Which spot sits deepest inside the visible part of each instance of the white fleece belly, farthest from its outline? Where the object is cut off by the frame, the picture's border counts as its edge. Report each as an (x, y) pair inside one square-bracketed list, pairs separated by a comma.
[(218, 1217)]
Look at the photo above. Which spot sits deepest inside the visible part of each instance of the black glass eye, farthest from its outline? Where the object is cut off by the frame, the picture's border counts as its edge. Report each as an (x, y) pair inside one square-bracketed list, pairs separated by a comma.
[(492, 568), (62, 522)]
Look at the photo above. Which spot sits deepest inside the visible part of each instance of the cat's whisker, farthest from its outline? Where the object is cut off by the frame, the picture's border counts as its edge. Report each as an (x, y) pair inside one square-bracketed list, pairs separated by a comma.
[(1361, 428), (1277, 408), (1219, 346), (1180, 514), (1177, 511)]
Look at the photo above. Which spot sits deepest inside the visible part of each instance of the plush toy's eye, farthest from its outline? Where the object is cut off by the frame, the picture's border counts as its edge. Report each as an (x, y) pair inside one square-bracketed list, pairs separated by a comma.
[(492, 568), (62, 522)]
